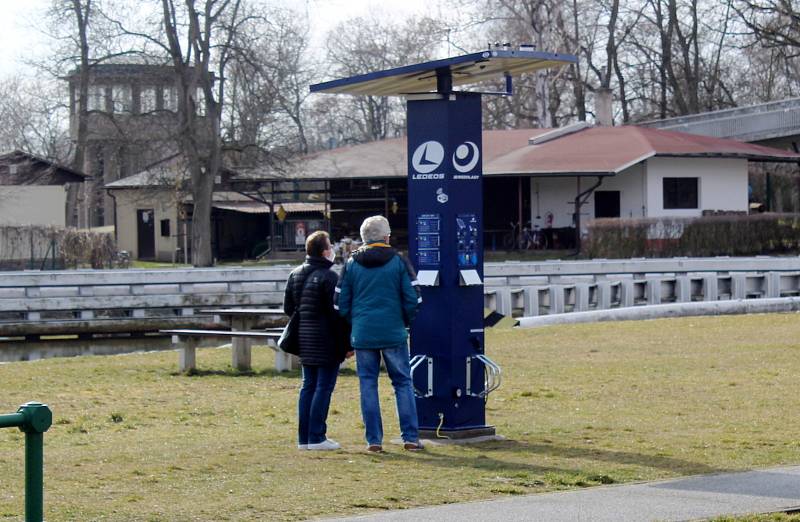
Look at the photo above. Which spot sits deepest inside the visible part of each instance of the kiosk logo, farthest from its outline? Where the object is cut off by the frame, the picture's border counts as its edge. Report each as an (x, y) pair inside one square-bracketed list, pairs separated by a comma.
[(441, 197), (468, 152), (427, 158)]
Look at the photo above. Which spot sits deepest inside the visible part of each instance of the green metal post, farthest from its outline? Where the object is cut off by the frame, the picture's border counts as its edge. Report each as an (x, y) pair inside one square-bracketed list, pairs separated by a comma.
[(33, 418), (34, 477), (38, 419)]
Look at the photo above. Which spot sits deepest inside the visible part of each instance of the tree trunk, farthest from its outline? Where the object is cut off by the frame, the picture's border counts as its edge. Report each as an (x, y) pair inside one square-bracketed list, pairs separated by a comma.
[(578, 87), (82, 113)]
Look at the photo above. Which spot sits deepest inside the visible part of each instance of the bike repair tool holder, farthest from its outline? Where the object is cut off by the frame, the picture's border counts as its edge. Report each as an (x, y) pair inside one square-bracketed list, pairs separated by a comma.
[(445, 229)]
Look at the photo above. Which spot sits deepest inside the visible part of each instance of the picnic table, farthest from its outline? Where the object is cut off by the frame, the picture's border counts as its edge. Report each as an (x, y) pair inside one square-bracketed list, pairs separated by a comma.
[(241, 323), (245, 320)]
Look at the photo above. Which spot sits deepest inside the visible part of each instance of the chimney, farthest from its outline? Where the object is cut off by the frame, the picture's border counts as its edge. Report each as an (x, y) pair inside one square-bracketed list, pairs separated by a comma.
[(602, 107)]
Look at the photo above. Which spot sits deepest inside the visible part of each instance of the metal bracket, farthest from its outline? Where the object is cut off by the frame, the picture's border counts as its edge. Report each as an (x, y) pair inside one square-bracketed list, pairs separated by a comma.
[(492, 376), (415, 362)]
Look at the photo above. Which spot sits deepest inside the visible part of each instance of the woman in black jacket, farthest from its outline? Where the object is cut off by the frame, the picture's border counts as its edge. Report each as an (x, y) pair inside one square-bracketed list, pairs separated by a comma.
[(323, 336)]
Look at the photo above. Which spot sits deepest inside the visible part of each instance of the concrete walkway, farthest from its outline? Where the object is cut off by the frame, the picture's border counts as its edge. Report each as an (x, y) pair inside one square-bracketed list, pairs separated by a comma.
[(698, 497)]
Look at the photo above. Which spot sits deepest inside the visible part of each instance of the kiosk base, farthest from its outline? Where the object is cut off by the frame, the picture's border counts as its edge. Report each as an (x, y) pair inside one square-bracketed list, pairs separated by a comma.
[(470, 433)]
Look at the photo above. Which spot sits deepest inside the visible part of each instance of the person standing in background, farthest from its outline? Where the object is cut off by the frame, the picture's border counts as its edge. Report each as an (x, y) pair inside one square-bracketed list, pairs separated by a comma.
[(323, 337)]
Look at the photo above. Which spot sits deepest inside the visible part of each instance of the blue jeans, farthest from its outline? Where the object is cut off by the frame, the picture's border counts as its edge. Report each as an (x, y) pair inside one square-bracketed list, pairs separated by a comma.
[(397, 365), (315, 399)]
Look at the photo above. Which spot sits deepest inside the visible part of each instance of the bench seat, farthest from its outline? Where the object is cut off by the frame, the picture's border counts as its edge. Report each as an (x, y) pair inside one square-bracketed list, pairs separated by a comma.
[(187, 340)]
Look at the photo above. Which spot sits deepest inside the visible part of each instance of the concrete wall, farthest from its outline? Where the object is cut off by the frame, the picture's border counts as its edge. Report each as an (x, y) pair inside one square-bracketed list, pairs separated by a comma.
[(33, 205), (722, 184), (163, 204)]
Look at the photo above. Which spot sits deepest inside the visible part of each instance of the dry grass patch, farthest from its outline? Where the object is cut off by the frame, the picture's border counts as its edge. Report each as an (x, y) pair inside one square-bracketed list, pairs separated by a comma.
[(581, 405)]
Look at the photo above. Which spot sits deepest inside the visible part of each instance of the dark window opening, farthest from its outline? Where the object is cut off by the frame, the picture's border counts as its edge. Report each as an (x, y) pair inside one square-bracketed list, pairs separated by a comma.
[(681, 193), (165, 228), (606, 204)]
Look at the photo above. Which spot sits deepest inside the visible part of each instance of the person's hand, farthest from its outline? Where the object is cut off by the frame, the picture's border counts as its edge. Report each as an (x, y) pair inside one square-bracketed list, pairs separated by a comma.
[(349, 354)]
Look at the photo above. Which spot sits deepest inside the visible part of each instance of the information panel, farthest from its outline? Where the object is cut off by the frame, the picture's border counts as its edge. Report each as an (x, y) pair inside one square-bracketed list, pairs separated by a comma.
[(429, 240), (467, 240)]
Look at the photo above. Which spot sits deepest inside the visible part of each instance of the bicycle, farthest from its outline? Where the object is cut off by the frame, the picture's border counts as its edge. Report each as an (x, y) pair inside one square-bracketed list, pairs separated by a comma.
[(530, 237), (513, 238)]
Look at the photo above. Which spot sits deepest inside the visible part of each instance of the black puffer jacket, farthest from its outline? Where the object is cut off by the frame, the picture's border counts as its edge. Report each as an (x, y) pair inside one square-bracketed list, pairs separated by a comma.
[(324, 335)]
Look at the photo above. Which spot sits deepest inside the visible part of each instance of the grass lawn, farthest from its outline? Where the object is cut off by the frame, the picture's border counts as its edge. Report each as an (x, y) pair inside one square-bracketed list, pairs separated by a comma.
[(580, 405)]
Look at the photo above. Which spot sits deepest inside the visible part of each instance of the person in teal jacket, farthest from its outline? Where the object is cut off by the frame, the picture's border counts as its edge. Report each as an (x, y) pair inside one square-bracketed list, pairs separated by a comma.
[(378, 294)]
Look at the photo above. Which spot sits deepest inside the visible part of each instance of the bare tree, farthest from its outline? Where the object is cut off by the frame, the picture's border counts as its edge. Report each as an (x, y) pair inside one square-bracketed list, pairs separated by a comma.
[(34, 119), (267, 87), (363, 45), (209, 28)]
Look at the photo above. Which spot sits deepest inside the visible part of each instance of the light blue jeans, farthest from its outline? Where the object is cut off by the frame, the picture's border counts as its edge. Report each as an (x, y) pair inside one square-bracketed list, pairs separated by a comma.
[(397, 365)]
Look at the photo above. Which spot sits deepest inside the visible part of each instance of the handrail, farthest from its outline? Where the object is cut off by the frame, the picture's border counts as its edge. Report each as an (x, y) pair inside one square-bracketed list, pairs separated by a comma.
[(32, 418)]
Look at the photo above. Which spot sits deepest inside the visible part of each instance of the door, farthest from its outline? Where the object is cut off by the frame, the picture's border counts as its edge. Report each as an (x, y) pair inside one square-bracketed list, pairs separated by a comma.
[(146, 233), (606, 204)]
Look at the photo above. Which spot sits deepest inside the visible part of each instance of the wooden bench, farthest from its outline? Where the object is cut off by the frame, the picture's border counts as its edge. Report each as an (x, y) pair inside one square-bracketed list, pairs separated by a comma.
[(187, 341)]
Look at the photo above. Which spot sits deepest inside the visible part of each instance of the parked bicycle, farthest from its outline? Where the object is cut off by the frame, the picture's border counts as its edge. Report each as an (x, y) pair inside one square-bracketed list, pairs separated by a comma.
[(527, 238)]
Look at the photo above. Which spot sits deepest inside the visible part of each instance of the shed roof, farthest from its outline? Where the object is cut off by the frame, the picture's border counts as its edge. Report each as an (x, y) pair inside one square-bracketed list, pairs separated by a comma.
[(610, 150), (586, 151), (35, 170), (379, 159)]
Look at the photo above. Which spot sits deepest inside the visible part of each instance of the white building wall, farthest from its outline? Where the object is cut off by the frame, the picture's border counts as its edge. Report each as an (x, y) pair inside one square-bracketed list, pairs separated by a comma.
[(33, 205), (162, 202), (722, 184), (557, 195)]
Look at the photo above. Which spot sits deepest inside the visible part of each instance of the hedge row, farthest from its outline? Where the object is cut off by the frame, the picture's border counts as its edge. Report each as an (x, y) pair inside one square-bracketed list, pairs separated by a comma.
[(737, 235), (32, 246)]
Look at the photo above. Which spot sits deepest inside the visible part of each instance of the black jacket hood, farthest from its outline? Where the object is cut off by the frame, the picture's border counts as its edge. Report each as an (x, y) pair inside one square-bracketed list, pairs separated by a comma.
[(373, 257)]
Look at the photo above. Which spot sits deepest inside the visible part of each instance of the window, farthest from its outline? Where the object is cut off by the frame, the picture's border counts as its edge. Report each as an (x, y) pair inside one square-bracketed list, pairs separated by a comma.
[(200, 102), (121, 98), (147, 100), (165, 228), (97, 98), (681, 193), (169, 99)]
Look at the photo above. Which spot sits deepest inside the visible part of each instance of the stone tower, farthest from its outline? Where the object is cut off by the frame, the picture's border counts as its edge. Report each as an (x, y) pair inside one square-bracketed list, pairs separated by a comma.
[(132, 123)]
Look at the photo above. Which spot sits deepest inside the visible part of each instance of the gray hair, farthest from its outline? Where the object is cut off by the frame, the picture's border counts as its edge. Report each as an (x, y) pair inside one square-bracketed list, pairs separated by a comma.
[(375, 228)]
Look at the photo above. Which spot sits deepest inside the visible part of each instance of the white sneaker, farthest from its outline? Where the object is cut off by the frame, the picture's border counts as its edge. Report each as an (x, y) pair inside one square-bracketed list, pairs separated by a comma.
[(302, 446), (325, 445)]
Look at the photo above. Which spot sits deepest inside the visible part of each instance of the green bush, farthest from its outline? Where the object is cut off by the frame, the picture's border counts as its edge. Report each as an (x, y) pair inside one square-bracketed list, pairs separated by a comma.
[(725, 235)]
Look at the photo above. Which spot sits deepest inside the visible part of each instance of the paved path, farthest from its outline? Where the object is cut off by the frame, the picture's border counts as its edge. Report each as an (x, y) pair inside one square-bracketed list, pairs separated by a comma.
[(699, 497)]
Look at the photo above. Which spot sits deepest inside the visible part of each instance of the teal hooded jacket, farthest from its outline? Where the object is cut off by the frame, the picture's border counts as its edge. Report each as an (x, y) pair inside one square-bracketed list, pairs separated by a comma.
[(378, 294)]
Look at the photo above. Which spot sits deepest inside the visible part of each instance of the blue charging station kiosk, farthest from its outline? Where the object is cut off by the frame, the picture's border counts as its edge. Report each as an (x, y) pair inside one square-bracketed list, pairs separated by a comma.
[(452, 374)]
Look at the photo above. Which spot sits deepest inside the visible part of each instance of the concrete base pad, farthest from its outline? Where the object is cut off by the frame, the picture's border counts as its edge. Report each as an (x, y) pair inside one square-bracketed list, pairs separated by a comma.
[(458, 442), (453, 442), (483, 431)]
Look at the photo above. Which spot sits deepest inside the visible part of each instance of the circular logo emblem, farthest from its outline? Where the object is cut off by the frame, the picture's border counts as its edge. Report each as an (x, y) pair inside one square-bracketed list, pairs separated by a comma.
[(466, 157), (427, 157)]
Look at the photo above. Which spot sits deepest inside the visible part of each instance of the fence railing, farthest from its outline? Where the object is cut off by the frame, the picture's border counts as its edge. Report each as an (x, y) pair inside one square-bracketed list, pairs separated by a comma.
[(33, 418)]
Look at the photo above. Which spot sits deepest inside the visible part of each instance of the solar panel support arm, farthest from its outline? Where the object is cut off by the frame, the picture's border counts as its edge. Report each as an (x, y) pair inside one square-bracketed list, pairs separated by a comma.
[(444, 80)]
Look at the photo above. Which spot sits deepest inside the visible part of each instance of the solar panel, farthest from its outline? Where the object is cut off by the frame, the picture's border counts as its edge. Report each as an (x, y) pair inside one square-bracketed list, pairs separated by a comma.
[(466, 69)]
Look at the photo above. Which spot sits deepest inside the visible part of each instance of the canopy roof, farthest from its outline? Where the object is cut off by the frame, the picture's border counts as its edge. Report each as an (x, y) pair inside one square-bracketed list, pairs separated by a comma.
[(466, 69)]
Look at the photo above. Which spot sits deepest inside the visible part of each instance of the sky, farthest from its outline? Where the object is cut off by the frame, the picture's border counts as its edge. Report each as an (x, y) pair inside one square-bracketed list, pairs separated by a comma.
[(21, 36)]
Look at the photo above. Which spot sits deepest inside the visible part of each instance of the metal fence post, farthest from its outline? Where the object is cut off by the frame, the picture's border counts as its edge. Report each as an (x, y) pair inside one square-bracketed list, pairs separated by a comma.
[(32, 418)]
